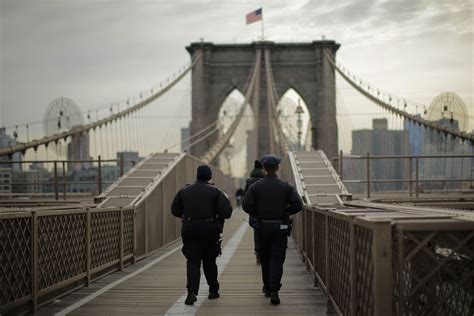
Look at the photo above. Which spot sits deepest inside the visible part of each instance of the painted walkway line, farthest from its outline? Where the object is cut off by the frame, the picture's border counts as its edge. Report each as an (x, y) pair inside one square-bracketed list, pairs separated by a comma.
[(92, 296), (179, 308)]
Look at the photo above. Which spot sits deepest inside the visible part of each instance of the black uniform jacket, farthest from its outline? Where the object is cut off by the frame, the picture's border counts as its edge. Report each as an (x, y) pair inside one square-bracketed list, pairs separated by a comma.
[(201, 200), (271, 198), (249, 182)]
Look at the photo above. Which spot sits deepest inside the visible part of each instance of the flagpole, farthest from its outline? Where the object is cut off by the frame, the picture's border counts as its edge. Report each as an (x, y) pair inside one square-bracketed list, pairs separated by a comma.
[(262, 27)]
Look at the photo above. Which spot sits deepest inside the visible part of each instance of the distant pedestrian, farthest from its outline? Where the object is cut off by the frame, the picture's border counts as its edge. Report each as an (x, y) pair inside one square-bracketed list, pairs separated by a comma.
[(238, 196), (203, 208), (272, 201), (255, 175)]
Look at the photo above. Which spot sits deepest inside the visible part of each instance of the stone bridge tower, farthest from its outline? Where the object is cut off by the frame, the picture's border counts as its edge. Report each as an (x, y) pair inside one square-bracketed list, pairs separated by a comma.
[(300, 66)]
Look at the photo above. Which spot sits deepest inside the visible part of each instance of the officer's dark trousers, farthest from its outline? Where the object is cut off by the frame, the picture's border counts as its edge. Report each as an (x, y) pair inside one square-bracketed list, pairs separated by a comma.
[(200, 244), (272, 251), (256, 241)]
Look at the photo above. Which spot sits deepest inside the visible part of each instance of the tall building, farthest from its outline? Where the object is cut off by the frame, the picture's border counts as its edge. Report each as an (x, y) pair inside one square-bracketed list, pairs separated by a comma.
[(381, 141), (78, 149), (441, 144), (7, 141), (39, 180), (5, 180), (416, 135), (130, 158)]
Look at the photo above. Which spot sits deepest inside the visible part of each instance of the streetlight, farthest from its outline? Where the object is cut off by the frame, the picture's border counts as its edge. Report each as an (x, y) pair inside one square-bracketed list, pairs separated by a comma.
[(299, 123)]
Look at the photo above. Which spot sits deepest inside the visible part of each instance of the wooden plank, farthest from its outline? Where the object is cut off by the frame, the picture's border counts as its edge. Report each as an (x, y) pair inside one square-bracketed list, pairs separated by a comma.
[(241, 287), (156, 289)]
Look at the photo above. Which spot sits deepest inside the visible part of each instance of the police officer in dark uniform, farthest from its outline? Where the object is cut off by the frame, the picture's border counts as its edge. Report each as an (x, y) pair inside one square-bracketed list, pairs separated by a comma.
[(272, 200), (256, 174), (203, 208)]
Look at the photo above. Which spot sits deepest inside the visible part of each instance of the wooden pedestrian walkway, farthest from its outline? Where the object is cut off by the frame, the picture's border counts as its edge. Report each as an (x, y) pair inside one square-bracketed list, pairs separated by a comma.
[(156, 285)]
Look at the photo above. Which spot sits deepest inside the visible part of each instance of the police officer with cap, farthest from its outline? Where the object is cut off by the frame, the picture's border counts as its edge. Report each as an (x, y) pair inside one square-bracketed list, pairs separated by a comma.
[(272, 201), (202, 207)]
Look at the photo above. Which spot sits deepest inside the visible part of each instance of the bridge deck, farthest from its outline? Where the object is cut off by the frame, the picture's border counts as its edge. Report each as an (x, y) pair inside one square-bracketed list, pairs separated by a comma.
[(156, 285)]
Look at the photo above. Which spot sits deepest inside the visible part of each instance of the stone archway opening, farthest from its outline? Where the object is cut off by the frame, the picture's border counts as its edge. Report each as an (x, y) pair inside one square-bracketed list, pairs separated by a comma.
[(295, 119), (234, 158)]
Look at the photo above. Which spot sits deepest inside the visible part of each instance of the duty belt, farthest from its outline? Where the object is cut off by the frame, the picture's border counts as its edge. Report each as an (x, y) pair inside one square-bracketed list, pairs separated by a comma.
[(272, 221), (209, 219)]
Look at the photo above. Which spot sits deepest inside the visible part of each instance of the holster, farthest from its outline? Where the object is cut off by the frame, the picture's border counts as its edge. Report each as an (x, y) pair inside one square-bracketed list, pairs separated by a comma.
[(254, 222), (219, 246), (289, 222), (220, 230)]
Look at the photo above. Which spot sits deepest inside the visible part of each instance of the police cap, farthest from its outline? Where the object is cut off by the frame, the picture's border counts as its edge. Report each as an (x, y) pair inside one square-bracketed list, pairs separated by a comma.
[(270, 160)]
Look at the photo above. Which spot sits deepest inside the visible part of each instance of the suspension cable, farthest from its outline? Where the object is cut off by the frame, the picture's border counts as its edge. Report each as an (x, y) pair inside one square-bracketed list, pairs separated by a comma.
[(111, 118), (272, 95), (192, 136), (201, 138), (406, 115)]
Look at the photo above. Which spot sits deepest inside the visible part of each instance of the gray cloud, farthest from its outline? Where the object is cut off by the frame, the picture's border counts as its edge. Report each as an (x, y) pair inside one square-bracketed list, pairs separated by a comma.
[(100, 51)]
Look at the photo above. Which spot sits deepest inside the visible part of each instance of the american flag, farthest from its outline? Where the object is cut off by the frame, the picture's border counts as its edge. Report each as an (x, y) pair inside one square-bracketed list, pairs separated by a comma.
[(254, 16)]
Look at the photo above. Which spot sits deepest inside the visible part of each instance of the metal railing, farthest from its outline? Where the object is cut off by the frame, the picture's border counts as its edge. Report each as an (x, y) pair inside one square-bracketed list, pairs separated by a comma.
[(373, 262), (44, 254), (58, 183), (387, 260), (414, 176)]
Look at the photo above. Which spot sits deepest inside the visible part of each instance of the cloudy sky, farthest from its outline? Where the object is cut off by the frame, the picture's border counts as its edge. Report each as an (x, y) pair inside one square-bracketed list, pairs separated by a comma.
[(97, 51)]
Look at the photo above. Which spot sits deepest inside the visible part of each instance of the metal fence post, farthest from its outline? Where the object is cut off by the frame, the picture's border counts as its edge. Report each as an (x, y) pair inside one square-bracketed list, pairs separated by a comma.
[(56, 193), (134, 244), (368, 175), (121, 165), (34, 261), (88, 247), (145, 214), (99, 175), (417, 167), (340, 164), (64, 180), (383, 276), (410, 178), (327, 278), (400, 271), (326, 241), (352, 268), (313, 258), (303, 239), (121, 239)]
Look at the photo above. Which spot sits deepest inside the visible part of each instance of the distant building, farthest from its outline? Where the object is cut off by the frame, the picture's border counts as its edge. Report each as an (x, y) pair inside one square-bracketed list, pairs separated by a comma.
[(382, 142), (38, 181), (19, 182), (5, 180), (130, 158), (78, 149), (85, 181), (109, 175), (415, 136), (185, 134), (439, 143), (7, 141)]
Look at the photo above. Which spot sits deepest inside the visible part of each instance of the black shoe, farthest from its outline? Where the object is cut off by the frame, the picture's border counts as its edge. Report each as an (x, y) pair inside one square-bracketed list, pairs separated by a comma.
[(274, 299), (190, 299), (264, 290), (213, 295), (258, 260)]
